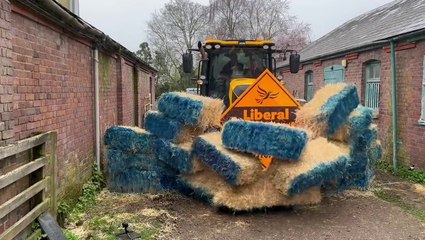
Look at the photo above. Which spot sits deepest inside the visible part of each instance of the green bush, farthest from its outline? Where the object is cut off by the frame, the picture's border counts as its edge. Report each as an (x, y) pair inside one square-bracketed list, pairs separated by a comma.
[(74, 208)]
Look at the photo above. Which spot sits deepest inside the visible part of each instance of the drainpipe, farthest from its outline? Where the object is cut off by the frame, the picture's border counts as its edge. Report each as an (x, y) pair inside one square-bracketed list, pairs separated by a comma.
[(394, 102), (96, 105)]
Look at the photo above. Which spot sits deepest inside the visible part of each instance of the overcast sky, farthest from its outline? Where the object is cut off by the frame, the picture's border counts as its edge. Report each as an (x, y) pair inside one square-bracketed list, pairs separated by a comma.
[(125, 20)]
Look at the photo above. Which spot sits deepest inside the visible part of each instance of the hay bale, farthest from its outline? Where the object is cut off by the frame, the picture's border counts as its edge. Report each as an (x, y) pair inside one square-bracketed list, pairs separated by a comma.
[(203, 112), (358, 121), (328, 110), (276, 140), (119, 161), (179, 156), (364, 139), (375, 152), (360, 181), (163, 127), (361, 143), (129, 139), (259, 194), (136, 181), (236, 168), (321, 162)]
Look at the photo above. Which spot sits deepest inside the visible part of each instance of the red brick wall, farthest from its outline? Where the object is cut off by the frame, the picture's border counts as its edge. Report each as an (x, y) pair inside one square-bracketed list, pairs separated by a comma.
[(409, 77), (128, 95), (47, 84), (6, 75), (54, 92)]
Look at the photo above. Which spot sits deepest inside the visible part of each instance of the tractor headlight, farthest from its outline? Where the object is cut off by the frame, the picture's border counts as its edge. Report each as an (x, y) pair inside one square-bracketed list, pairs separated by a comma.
[(266, 46), (217, 46), (208, 46)]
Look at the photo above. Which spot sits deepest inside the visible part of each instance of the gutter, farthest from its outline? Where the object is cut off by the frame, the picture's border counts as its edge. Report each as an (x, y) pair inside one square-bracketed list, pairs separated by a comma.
[(366, 47), (96, 105), (73, 23), (394, 101)]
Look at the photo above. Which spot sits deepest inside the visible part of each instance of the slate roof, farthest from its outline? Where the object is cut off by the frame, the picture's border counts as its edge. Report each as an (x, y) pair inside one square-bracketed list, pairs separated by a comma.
[(390, 20)]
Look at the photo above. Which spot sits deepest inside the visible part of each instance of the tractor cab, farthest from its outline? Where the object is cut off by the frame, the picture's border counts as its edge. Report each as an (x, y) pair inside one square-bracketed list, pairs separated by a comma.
[(228, 67)]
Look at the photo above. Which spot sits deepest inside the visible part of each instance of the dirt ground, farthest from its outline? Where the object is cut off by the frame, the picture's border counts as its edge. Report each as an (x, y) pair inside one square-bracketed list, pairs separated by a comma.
[(393, 209)]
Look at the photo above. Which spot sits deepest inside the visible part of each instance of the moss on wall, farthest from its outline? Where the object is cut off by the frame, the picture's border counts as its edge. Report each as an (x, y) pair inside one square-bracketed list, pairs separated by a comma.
[(105, 70)]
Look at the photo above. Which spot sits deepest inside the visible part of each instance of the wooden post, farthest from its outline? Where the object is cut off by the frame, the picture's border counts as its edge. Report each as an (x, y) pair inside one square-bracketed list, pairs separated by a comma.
[(53, 198)]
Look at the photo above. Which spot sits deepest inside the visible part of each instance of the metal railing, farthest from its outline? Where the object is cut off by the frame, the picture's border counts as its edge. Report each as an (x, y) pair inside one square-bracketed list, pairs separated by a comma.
[(372, 92)]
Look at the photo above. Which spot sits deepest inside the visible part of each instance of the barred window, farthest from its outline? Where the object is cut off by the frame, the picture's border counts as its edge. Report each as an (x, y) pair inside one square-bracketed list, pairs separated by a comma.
[(373, 85), (308, 93)]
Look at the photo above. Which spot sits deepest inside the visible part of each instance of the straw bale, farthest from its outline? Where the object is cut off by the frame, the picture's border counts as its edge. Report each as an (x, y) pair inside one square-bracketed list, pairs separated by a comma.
[(179, 157), (129, 139), (328, 110), (259, 194), (321, 162), (170, 129), (190, 109), (121, 161), (134, 180), (276, 140), (358, 121), (236, 168)]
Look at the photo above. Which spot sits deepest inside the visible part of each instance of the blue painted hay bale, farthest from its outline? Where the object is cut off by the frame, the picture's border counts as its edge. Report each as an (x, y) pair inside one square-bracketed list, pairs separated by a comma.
[(358, 121), (259, 194), (129, 139), (236, 168), (170, 129), (203, 112), (321, 162), (361, 181), (120, 161), (358, 163), (276, 140), (136, 181), (185, 187), (375, 152), (363, 140), (180, 156), (328, 110)]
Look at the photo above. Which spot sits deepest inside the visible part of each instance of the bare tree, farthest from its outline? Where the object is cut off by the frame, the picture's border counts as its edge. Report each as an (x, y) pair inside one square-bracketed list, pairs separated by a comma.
[(226, 19), (174, 29), (253, 19), (181, 23)]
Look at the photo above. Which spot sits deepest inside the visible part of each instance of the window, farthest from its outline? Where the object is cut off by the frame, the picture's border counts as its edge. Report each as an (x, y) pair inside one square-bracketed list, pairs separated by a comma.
[(373, 85), (422, 119), (334, 74), (308, 93)]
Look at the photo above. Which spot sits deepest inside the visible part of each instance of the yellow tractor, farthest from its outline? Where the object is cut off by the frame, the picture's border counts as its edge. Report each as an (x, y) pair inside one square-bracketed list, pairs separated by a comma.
[(228, 67)]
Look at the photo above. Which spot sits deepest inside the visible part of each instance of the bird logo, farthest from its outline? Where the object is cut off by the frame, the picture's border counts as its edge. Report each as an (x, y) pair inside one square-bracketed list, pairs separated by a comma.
[(265, 95)]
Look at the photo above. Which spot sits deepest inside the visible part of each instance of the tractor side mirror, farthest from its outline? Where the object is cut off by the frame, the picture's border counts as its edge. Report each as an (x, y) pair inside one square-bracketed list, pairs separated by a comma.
[(187, 62), (294, 63)]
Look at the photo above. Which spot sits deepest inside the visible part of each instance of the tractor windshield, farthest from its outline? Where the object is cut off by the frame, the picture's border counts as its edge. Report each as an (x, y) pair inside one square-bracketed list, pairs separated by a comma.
[(228, 63)]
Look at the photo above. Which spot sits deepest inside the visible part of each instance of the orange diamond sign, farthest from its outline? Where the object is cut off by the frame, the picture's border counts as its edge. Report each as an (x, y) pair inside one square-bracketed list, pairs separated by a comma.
[(266, 100)]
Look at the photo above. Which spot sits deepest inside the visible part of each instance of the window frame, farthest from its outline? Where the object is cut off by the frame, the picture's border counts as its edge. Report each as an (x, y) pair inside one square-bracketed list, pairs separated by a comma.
[(308, 81), (369, 68)]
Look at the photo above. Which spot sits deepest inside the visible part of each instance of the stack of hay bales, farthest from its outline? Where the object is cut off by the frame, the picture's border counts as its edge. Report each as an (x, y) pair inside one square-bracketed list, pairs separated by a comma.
[(334, 146), (150, 159)]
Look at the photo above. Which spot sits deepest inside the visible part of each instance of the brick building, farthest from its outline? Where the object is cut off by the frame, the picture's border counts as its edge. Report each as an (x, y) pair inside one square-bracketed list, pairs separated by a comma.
[(50, 62), (361, 52)]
